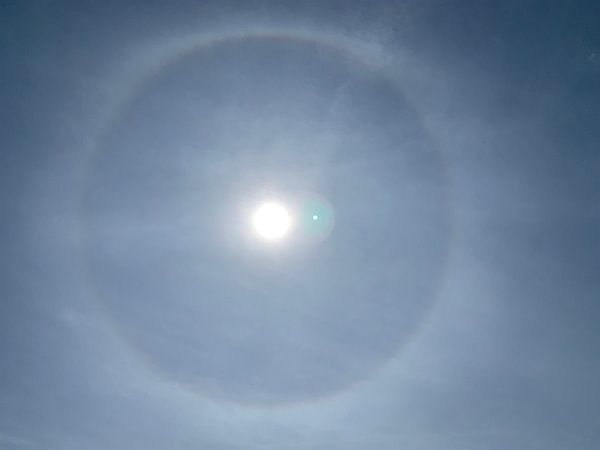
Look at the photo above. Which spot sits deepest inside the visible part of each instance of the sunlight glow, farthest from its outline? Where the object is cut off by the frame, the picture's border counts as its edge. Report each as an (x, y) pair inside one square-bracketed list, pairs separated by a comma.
[(271, 221)]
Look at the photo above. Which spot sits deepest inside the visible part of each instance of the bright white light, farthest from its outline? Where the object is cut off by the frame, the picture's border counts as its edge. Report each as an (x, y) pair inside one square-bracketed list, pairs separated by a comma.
[(271, 221)]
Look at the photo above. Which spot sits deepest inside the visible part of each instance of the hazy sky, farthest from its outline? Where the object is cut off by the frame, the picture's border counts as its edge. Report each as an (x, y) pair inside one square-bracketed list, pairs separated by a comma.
[(446, 297)]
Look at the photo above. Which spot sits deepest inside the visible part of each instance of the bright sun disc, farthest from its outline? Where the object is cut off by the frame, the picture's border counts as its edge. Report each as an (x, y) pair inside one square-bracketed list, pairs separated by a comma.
[(271, 221)]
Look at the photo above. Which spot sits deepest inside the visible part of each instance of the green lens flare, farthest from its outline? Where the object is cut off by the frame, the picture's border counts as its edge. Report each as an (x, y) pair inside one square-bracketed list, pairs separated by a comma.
[(316, 217)]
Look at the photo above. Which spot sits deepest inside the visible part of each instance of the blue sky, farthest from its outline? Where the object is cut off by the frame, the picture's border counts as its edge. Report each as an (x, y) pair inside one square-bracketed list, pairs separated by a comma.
[(451, 301)]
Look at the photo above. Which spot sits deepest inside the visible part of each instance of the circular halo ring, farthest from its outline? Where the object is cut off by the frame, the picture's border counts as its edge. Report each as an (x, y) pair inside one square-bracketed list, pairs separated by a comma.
[(150, 62)]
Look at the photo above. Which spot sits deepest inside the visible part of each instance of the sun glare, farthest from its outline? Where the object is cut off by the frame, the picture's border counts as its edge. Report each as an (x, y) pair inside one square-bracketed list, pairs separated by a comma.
[(271, 221)]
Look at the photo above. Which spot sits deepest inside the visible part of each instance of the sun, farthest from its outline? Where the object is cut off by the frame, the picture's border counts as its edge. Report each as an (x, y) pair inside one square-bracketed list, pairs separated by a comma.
[(271, 221)]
